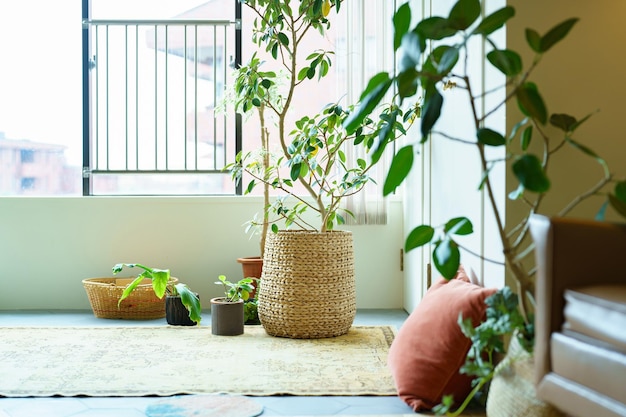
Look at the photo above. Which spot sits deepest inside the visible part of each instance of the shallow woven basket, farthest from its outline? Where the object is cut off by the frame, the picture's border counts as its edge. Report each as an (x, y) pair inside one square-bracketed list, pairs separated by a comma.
[(141, 304), (308, 287), (512, 390)]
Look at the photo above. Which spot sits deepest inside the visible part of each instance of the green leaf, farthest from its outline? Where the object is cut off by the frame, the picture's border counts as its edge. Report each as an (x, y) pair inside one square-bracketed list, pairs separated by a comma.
[(401, 24), (274, 228), (407, 83), (531, 103), (447, 258), (534, 40), (303, 73), (556, 34), (435, 28), (190, 301), (431, 112), (399, 169), (506, 61), (419, 236), (527, 135), (490, 137), (620, 191), (295, 171), (618, 205), (517, 126), (160, 279), (459, 226), (494, 21), (371, 96), (410, 51), (283, 38), (448, 59), (587, 151), (130, 288), (517, 193), (565, 122), (250, 187), (464, 13), (530, 174)]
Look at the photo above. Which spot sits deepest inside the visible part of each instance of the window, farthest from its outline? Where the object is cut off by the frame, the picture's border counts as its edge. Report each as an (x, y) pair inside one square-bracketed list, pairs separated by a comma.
[(151, 125), (154, 80), (40, 104), (27, 156), (28, 183)]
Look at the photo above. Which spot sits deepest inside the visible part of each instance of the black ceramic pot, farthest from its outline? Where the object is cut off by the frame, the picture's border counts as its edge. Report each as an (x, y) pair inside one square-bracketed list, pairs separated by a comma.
[(176, 313)]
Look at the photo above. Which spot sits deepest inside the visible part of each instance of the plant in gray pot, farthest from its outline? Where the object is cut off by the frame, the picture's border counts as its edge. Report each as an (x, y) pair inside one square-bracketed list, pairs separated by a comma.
[(227, 315), (182, 306)]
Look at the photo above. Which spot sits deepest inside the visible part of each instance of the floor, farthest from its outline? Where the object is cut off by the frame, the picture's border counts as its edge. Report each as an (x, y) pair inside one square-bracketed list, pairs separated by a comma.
[(134, 407)]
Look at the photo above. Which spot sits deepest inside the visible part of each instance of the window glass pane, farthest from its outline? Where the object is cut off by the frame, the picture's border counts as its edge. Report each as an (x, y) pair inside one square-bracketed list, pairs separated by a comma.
[(155, 84), (41, 99)]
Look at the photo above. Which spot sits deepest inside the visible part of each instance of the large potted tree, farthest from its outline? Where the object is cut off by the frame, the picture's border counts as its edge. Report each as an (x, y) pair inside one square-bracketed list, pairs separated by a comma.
[(314, 295), (434, 54)]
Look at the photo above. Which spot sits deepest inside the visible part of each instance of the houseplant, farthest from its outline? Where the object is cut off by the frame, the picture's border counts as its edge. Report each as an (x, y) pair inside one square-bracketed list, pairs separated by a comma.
[(433, 57), (177, 294), (310, 171), (227, 313)]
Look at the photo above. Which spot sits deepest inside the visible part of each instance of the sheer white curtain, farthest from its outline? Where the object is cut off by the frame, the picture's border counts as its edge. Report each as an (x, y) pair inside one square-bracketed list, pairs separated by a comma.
[(365, 48)]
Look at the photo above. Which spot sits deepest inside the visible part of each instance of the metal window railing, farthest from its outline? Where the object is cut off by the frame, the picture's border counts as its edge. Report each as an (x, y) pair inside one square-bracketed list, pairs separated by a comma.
[(154, 86)]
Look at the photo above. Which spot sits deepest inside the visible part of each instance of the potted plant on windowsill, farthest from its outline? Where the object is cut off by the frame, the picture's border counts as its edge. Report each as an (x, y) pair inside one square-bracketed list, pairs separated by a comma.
[(434, 56), (310, 173), (227, 313), (182, 306)]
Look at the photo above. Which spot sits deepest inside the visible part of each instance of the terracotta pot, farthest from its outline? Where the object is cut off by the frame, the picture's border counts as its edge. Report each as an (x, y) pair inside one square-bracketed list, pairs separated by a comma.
[(176, 313), (226, 317), (252, 267)]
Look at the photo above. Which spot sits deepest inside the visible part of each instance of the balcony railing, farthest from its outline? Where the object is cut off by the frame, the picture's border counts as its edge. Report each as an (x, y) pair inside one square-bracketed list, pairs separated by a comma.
[(154, 87)]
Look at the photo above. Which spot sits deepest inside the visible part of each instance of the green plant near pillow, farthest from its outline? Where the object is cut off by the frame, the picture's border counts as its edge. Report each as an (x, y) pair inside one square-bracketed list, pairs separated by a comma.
[(160, 284), (503, 318)]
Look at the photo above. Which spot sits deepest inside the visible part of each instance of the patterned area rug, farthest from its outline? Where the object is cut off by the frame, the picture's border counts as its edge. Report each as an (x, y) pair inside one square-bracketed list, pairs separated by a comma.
[(169, 360)]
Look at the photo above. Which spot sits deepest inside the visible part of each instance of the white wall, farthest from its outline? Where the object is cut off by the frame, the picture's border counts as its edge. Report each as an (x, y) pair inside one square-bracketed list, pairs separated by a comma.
[(48, 245)]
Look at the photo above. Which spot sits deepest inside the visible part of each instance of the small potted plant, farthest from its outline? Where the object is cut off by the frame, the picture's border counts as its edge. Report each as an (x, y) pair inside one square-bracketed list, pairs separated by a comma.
[(251, 305), (227, 313), (182, 306)]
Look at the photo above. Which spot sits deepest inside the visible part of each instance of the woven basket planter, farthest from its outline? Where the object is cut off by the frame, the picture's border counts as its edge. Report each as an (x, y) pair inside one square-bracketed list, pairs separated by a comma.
[(308, 289), (512, 390), (141, 304)]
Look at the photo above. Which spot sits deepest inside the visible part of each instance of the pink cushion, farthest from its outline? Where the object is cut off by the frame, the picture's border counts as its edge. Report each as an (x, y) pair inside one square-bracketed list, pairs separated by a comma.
[(430, 348)]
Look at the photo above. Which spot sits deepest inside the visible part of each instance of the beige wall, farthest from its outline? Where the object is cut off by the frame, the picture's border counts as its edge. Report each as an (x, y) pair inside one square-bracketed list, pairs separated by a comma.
[(582, 74)]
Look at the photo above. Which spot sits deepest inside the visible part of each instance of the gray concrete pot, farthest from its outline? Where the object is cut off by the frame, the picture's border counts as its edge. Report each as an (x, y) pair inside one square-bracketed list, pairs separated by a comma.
[(226, 317)]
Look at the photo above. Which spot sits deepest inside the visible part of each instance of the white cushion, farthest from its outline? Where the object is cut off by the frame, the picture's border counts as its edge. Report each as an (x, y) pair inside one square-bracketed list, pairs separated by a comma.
[(598, 312)]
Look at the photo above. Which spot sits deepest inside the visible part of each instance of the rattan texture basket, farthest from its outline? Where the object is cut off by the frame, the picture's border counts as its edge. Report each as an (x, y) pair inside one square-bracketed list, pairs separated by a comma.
[(307, 286), (141, 304), (512, 390)]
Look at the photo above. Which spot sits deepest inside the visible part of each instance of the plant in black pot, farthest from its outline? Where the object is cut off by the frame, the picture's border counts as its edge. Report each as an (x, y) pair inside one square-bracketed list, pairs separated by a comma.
[(227, 313), (182, 306)]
